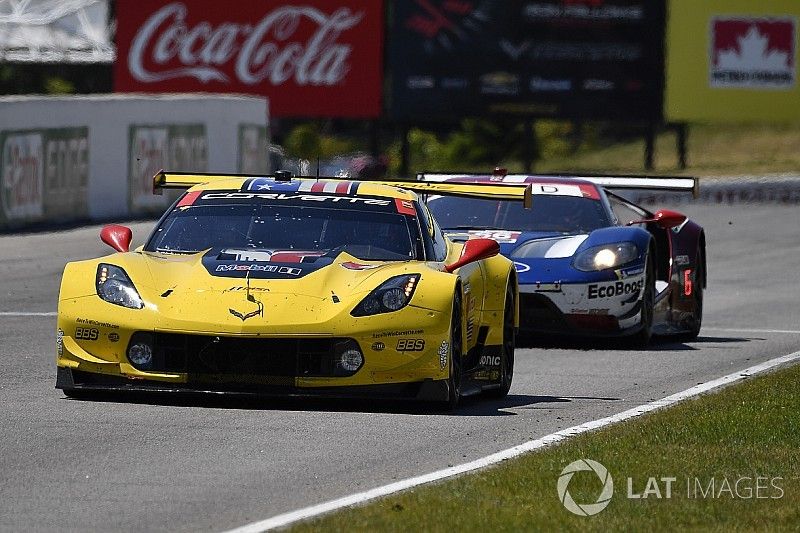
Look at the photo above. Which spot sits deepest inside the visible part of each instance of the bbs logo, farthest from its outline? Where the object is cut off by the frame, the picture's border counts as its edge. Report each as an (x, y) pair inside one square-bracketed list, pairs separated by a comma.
[(86, 334), (410, 345)]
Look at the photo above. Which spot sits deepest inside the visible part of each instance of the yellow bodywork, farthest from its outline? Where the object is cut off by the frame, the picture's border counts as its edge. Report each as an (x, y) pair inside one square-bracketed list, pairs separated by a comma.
[(181, 297)]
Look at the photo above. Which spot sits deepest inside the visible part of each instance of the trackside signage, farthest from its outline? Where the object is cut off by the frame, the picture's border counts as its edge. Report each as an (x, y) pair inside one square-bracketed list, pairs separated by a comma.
[(156, 147), (311, 57), (45, 174)]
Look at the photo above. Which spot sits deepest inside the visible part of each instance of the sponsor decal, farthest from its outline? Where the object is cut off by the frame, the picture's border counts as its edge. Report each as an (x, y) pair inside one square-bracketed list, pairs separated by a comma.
[(301, 197), (349, 265), (753, 52), (246, 289), (90, 322), (312, 57), (576, 311), (443, 349), (410, 345), (292, 271), (521, 267), (378, 346), (87, 334), (60, 341), (630, 272), (113, 337), (408, 332), (502, 237), (405, 207), (681, 260), (457, 84), (610, 290), (490, 360)]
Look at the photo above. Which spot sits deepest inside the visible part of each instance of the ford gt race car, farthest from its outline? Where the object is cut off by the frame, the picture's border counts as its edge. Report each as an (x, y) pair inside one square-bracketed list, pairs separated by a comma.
[(589, 261), (293, 286)]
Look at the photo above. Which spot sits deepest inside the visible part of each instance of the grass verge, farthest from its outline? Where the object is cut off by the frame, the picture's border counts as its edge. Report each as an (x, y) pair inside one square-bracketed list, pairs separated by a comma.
[(743, 433), (713, 150)]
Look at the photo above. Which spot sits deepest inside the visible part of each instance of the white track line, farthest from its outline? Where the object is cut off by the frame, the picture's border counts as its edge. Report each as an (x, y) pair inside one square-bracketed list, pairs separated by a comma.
[(362, 497), (25, 313)]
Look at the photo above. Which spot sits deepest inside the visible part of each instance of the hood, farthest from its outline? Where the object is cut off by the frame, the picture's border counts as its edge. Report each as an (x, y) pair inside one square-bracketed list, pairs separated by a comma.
[(210, 288)]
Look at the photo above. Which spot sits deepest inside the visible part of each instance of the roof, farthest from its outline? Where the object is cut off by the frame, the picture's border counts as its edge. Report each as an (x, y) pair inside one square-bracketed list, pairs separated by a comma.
[(308, 185)]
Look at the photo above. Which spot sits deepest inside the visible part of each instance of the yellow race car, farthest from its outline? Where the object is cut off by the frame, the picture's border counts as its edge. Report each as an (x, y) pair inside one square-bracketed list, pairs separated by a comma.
[(293, 286)]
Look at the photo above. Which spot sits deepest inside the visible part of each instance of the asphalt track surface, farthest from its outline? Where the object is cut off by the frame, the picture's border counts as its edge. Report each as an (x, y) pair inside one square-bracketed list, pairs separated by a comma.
[(199, 464)]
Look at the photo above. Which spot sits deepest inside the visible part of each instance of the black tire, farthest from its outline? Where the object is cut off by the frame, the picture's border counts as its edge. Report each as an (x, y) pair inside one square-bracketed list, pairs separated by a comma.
[(641, 338), (509, 344), (696, 321), (456, 350)]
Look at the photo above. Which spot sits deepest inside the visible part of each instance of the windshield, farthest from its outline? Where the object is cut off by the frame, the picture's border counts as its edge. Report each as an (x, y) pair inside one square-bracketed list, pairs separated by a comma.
[(562, 214), (256, 225)]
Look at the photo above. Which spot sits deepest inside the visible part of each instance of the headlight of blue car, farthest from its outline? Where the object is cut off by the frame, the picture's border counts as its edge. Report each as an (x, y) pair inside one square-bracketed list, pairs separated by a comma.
[(605, 256)]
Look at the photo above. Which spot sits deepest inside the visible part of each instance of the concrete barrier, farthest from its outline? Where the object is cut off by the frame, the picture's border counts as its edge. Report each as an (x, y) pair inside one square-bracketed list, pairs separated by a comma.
[(93, 157)]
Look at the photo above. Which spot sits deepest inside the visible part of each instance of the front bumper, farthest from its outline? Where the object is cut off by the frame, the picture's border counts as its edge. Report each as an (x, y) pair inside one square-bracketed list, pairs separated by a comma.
[(427, 390), (610, 308), (92, 354)]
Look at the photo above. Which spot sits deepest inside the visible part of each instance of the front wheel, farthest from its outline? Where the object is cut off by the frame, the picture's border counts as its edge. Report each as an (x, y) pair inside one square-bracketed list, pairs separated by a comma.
[(456, 348), (641, 338), (509, 344)]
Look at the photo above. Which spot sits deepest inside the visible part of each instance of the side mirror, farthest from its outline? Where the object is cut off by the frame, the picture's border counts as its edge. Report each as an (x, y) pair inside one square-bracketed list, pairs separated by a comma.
[(665, 218), (475, 250), (116, 236)]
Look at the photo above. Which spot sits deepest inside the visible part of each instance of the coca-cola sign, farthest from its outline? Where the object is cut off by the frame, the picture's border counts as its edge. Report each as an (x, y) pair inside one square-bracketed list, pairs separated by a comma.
[(311, 58)]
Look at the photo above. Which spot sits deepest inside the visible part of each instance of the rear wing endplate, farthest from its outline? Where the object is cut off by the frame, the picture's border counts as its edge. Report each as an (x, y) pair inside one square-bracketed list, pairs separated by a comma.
[(519, 192), (621, 181)]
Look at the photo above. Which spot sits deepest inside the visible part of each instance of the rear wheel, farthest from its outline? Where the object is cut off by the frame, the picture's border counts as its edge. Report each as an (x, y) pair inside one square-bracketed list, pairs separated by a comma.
[(509, 343), (641, 338), (456, 348), (696, 320)]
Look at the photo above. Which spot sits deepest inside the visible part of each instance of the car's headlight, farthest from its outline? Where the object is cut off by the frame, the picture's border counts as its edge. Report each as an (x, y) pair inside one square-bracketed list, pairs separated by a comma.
[(392, 295), (605, 256), (114, 286)]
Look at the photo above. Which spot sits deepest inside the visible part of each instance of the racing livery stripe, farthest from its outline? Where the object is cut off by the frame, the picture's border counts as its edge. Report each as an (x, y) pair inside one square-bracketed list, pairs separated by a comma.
[(343, 187), (305, 186), (318, 187), (189, 198)]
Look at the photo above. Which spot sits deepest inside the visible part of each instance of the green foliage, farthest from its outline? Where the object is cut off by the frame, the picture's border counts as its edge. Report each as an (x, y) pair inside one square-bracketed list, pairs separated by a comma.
[(307, 141), (56, 85)]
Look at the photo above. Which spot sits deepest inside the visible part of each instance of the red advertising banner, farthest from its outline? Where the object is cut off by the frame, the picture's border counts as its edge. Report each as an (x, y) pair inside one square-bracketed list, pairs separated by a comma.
[(312, 58)]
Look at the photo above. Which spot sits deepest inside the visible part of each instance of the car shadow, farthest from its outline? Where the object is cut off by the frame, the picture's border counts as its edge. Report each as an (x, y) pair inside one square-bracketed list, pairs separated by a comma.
[(477, 405), (657, 343)]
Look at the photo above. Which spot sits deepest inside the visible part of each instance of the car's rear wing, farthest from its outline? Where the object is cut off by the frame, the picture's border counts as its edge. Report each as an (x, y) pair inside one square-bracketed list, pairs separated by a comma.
[(619, 181), (518, 192)]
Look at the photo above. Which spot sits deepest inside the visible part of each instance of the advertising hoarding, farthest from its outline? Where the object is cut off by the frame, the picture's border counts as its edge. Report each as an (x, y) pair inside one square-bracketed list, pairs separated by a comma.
[(45, 174), (600, 59), (313, 58), (162, 147), (732, 60)]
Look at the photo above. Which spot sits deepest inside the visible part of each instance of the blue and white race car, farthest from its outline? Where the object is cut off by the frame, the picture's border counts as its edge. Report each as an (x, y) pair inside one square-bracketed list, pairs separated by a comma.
[(589, 261)]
